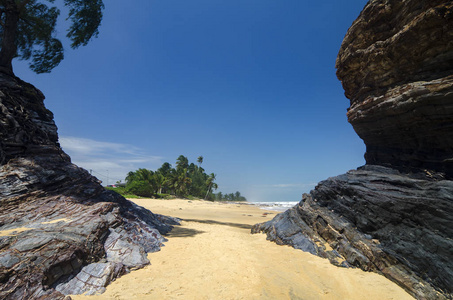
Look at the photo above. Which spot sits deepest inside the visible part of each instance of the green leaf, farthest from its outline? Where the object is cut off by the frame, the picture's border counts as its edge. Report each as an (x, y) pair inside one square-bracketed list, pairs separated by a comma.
[(86, 17)]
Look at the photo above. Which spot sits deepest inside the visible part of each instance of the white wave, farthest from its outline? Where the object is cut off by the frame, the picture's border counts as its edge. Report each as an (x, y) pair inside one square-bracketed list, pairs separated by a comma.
[(277, 206)]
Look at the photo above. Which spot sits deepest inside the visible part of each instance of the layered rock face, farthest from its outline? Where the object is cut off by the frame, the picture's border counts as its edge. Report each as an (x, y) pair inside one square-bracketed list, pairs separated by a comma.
[(380, 220), (61, 232), (396, 66), (393, 216)]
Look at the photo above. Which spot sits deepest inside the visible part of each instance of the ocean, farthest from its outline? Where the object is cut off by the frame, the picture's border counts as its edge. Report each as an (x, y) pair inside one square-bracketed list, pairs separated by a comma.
[(279, 206)]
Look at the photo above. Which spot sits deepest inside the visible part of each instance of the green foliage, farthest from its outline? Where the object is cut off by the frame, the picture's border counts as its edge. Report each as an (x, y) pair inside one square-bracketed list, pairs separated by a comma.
[(140, 188), (187, 180), (27, 30), (182, 163), (198, 187), (236, 197), (211, 185), (165, 169), (35, 37), (86, 17), (122, 192)]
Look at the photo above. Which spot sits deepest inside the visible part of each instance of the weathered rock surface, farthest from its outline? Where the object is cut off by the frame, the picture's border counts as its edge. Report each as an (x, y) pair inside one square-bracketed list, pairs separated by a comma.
[(61, 232), (396, 66), (393, 216), (380, 220)]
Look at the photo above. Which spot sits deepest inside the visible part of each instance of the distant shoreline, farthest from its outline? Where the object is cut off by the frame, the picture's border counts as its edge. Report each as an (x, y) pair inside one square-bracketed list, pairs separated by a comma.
[(278, 206)]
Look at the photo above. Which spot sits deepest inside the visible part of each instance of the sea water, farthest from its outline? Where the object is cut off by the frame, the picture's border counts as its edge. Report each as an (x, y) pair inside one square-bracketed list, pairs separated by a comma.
[(277, 206)]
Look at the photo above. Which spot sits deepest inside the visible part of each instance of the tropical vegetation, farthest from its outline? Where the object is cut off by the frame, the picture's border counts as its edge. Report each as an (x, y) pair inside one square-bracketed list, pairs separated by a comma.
[(186, 180), (228, 197)]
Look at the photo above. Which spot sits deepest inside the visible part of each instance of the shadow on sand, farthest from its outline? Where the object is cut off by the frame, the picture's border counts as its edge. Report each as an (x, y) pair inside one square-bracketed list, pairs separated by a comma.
[(179, 231), (212, 222)]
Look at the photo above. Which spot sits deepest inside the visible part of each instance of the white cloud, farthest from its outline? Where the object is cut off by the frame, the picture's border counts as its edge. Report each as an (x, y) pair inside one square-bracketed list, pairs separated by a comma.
[(87, 146), (109, 162)]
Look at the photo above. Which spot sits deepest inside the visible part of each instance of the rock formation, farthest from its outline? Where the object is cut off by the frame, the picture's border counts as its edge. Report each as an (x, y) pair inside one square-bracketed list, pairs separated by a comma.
[(396, 66), (61, 232), (393, 216)]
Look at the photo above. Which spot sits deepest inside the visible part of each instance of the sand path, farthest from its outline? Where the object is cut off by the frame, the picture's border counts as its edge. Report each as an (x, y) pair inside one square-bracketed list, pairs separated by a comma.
[(212, 255)]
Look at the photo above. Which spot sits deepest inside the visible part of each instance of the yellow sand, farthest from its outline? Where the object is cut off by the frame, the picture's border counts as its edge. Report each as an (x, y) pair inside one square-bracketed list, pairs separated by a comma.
[(212, 255)]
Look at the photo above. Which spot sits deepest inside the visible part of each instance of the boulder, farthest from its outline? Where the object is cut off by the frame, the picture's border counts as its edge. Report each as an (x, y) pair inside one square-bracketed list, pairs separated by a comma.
[(377, 219), (393, 216), (61, 232), (396, 67)]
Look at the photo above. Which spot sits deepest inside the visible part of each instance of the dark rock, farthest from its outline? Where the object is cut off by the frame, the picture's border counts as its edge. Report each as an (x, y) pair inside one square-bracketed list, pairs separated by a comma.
[(393, 216), (72, 236), (377, 219), (396, 66)]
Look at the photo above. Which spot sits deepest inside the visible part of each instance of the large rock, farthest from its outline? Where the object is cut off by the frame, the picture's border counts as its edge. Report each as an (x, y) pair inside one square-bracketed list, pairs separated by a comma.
[(396, 66), (377, 219), (61, 232), (393, 216)]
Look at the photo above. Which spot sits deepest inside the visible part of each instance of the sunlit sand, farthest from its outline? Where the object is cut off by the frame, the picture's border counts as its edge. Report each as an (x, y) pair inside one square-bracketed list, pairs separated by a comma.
[(212, 255)]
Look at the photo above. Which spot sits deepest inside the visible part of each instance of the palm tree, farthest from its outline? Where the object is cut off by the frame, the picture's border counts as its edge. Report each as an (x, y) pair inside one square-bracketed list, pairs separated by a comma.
[(165, 169), (200, 160), (180, 182), (182, 162), (143, 176), (130, 177), (211, 184), (141, 182), (160, 181), (192, 169)]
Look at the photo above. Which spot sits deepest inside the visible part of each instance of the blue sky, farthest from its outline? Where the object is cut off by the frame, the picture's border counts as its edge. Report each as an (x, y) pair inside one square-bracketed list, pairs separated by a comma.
[(249, 85)]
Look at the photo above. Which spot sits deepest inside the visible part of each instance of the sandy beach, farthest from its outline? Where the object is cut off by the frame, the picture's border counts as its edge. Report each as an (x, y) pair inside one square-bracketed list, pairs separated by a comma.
[(212, 255)]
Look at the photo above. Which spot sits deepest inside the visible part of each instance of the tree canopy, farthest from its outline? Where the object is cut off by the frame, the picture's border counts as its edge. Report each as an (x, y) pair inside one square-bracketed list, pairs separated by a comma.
[(27, 30), (186, 179)]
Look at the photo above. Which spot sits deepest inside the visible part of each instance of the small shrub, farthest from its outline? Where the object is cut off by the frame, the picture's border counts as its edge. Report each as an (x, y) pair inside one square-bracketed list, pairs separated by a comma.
[(140, 188), (122, 191)]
